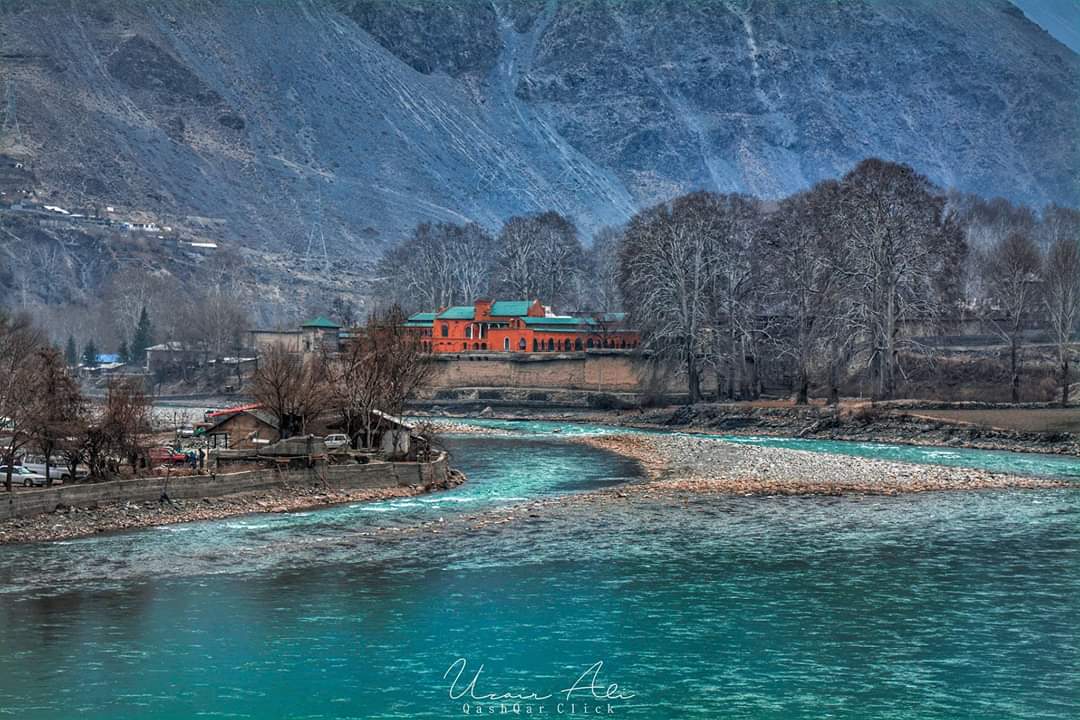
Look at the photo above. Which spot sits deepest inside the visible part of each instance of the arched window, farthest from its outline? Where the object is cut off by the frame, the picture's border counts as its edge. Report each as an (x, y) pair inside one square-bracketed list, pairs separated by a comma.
[(521, 344), (483, 346), (590, 343), (506, 344), (468, 331), (551, 345), (577, 344), (445, 330), (536, 346)]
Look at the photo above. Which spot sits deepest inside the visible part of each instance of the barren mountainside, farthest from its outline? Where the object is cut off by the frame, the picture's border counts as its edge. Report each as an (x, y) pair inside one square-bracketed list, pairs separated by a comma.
[(253, 122)]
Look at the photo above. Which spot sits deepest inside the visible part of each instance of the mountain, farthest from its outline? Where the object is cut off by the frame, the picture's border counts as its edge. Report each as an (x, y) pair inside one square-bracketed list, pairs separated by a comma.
[(292, 127), (1060, 18)]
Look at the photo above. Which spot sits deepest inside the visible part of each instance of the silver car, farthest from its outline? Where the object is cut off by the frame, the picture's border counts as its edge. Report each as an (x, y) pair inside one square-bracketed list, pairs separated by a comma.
[(335, 441), (22, 476)]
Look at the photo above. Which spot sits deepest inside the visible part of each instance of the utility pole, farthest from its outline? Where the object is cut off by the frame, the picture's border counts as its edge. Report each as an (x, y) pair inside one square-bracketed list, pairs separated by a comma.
[(11, 118)]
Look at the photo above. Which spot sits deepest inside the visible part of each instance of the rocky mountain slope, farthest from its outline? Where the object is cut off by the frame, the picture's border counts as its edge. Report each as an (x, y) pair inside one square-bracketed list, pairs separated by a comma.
[(341, 123)]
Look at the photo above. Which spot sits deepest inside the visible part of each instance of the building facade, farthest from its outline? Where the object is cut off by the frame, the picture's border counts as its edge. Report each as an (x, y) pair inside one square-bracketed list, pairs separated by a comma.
[(519, 326), (314, 336)]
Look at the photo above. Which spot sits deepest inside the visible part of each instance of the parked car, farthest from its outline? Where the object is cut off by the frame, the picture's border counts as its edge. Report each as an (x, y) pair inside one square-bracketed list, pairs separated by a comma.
[(58, 473), (335, 441), (166, 456), (22, 476)]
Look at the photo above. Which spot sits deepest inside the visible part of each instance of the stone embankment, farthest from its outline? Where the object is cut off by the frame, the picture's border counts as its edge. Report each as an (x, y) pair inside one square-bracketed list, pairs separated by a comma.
[(292, 493), (706, 465), (895, 423)]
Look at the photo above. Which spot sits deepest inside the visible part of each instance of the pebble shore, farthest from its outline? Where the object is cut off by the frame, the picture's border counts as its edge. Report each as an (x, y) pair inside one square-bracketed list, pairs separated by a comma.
[(705, 465), (80, 522)]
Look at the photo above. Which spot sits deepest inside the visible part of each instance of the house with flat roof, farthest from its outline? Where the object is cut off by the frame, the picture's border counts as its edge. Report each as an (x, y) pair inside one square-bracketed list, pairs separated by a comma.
[(319, 334)]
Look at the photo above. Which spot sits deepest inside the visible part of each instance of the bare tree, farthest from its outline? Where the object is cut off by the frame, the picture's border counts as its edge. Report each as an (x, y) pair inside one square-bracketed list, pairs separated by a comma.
[(1061, 286), (292, 387), (19, 342), (802, 243), (731, 223), (604, 294), (125, 422), (378, 369), (1011, 276), (903, 251), (664, 276), (57, 405), (437, 266), (539, 256)]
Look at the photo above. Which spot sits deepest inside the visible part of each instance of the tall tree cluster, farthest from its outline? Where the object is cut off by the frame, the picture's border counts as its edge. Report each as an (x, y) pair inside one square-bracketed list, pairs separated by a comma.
[(381, 365), (42, 408), (826, 276), (532, 256)]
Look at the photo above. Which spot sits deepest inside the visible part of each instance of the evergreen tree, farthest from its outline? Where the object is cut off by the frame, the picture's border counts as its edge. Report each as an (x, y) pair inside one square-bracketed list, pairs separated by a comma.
[(89, 354), (143, 338), (71, 355), (123, 352)]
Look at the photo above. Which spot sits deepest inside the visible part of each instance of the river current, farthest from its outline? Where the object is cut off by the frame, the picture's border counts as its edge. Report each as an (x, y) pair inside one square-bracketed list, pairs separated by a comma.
[(938, 605)]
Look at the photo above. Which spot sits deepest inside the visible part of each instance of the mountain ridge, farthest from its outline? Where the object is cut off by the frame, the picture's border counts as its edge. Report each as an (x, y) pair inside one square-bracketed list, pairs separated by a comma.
[(348, 121)]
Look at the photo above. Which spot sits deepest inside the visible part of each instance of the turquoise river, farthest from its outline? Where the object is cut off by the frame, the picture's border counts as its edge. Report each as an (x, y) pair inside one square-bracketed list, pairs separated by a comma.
[(939, 605)]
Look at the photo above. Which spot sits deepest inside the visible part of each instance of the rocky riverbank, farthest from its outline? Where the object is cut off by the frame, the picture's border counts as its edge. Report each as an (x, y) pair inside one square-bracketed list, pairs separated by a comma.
[(80, 522), (859, 424), (895, 425), (706, 465)]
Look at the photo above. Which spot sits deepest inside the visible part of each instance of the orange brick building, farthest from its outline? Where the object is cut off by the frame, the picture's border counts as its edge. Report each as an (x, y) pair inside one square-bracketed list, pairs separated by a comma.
[(518, 326)]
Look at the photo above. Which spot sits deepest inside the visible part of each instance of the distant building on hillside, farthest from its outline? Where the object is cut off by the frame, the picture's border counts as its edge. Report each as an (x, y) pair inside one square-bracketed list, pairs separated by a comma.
[(317, 335), (521, 326)]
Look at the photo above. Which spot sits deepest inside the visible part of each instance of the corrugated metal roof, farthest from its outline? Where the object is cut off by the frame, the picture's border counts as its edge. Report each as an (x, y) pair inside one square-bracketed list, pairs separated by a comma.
[(558, 320), (421, 319), (321, 322), (458, 312), (510, 308)]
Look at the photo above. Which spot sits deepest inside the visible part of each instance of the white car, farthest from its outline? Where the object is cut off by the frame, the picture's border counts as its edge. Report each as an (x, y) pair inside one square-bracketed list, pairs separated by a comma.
[(335, 441), (36, 465), (22, 476)]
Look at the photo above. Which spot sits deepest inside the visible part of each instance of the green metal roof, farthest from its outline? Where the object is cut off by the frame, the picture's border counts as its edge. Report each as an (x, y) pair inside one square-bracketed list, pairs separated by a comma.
[(421, 319), (552, 321), (458, 312), (321, 322), (510, 308)]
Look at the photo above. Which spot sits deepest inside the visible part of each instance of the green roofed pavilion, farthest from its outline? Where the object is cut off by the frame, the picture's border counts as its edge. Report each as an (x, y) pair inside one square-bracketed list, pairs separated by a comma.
[(321, 322)]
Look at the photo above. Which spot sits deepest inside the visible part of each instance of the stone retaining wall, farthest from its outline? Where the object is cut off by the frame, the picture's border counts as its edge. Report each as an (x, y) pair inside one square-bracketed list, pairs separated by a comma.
[(26, 503), (594, 370)]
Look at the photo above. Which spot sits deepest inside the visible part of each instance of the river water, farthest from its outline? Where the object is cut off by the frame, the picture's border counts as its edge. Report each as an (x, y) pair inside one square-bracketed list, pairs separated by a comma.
[(938, 605)]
